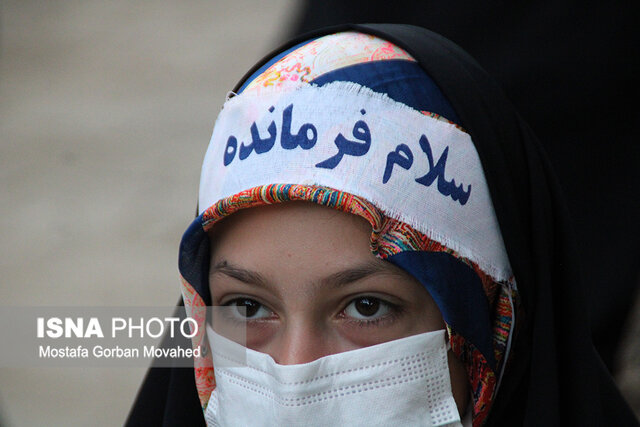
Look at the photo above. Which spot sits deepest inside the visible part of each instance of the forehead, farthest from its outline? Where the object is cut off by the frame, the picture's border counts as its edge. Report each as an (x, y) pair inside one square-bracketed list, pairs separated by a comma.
[(298, 230), (295, 250)]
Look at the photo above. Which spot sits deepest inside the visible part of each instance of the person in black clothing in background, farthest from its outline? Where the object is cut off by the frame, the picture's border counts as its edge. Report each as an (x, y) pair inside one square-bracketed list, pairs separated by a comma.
[(554, 375), (570, 71)]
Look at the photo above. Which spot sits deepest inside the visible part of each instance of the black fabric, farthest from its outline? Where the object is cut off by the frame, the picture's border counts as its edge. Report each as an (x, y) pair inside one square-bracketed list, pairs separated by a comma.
[(168, 396), (555, 375), (570, 69)]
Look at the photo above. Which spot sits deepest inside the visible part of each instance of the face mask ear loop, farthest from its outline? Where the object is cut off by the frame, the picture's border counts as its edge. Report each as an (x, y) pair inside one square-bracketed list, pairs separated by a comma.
[(448, 337)]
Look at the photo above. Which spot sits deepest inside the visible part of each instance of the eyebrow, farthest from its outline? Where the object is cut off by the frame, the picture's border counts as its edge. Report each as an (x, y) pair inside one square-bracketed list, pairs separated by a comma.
[(246, 276), (335, 280)]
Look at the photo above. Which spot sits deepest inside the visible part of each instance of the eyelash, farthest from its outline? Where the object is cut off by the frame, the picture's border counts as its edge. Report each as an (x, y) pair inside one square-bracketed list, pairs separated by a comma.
[(394, 312), (235, 318)]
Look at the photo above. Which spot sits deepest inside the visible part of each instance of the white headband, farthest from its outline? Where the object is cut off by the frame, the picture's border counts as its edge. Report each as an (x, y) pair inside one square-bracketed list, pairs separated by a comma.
[(415, 168)]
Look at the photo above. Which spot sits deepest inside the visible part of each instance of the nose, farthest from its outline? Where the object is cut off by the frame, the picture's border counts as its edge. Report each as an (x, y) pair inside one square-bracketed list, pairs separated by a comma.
[(300, 343)]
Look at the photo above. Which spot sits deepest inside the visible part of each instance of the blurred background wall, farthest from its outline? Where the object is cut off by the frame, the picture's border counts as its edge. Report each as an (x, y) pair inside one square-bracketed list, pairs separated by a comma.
[(106, 109)]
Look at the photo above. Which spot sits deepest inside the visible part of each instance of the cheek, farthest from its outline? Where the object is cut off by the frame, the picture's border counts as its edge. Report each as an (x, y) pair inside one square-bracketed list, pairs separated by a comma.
[(376, 332), (227, 322), (261, 335), (403, 324)]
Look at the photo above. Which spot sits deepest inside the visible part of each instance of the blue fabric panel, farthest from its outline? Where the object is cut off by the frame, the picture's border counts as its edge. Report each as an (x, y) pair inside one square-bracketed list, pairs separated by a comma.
[(269, 63), (193, 258), (458, 292), (403, 81)]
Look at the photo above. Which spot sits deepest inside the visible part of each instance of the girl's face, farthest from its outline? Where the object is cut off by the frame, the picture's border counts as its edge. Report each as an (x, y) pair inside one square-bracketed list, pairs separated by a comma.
[(311, 287)]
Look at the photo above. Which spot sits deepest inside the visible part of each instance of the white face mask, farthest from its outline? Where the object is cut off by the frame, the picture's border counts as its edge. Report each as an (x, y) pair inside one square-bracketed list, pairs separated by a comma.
[(402, 382)]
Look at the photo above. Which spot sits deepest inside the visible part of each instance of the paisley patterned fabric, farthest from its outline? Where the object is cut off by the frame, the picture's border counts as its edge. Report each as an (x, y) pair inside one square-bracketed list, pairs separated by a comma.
[(391, 239), (322, 55)]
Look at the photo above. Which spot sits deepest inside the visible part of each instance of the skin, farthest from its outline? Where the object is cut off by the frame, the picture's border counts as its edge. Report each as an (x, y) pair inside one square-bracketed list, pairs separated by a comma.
[(311, 286)]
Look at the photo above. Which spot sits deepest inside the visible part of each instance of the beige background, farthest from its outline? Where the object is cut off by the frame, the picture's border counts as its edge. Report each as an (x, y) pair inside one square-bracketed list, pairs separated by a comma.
[(106, 109)]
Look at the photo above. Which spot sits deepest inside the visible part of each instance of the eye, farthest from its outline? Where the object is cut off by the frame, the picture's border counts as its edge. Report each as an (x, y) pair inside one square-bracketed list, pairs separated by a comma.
[(367, 308), (252, 309)]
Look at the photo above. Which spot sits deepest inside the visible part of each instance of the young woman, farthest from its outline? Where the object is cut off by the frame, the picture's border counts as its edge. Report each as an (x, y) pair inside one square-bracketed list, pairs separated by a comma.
[(387, 230)]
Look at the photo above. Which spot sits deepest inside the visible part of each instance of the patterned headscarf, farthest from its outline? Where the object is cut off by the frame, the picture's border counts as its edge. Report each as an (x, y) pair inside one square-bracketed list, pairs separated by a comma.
[(352, 122)]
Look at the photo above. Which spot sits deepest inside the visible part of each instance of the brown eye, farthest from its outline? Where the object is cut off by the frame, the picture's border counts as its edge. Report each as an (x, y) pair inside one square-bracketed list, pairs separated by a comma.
[(248, 308), (367, 308)]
